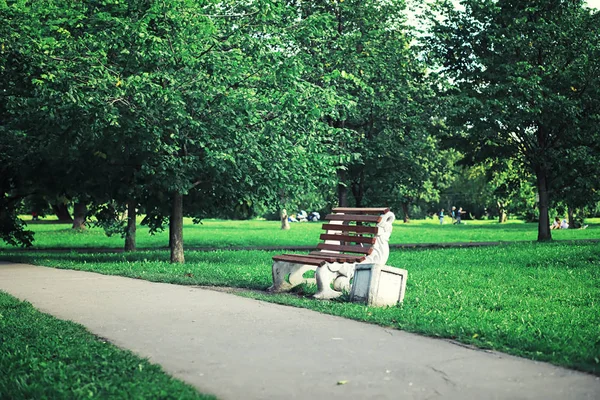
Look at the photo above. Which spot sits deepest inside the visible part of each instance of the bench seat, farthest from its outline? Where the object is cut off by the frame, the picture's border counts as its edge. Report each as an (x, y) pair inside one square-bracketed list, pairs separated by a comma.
[(317, 258)]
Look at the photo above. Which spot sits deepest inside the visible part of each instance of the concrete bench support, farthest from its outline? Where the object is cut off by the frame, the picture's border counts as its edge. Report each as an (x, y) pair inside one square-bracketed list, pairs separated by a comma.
[(378, 285)]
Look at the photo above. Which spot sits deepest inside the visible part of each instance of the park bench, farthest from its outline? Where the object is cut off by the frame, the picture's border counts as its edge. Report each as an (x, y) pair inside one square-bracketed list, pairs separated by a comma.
[(352, 236)]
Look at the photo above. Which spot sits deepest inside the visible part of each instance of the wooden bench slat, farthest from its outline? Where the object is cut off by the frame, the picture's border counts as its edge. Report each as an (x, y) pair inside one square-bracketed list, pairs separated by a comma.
[(331, 257), (351, 228), (347, 257), (372, 210), (348, 238), (353, 217), (298, 259), (347, 249), (318, 259)]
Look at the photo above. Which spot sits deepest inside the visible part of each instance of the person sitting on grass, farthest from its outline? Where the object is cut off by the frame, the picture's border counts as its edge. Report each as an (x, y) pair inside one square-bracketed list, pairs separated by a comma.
[(564, 224), (556, 224), (302, 216)]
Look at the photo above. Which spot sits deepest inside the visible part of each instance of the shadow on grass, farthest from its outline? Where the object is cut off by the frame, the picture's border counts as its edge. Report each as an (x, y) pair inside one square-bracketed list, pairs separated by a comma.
[(48, 222)]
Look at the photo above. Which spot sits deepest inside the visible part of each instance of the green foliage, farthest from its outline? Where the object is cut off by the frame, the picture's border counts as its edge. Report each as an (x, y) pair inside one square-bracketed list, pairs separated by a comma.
[(524, 84), (12, 153), (255, 108), (361, 51), (110, 217), (12, 229), (491, 189), (43, 357), (141, 100)]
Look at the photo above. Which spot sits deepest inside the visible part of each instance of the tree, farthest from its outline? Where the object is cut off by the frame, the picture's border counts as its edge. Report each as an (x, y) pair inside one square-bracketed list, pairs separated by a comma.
[(152, 103), (219, 108), (522, 73), (363, 52), (27, 48), (52, 98)]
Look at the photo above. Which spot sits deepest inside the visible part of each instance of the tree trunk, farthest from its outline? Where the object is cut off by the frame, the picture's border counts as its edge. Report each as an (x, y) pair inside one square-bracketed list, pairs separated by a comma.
[(176, 229), (357, 193), (544, 232), (285, 224), (62, 212), (502, 212), (131, 226), (405, 212), (358, 189), (79, 214), (571, 218), (170, 230), (342, 189)]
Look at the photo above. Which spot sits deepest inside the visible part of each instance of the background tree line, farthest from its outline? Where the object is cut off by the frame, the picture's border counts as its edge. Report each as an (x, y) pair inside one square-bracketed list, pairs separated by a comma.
[(180, 108)]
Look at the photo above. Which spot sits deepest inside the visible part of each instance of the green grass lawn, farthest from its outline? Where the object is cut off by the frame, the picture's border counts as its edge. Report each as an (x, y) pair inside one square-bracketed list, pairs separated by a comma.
[(42, 357), (540, 301), (223, 234)]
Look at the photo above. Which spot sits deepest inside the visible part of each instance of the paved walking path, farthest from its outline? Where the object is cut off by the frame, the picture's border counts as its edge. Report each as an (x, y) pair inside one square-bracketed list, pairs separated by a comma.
[(239, 348)]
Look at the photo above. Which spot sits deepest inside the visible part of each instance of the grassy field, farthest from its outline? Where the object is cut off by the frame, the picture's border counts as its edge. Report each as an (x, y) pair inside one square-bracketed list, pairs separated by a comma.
[(256, 233), (539, 301), (46, 358)]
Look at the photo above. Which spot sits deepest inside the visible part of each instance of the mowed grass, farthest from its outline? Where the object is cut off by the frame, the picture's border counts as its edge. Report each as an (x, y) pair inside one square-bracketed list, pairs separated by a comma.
[(540, 301), (258, 233), (43, 357)]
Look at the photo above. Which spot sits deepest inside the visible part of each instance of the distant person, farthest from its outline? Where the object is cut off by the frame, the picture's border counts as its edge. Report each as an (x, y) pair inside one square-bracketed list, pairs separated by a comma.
[(453, 214), (579, 225), (555, 224), (459, 215), (441, 215), (564, 224), (302, 216), (34, 216), (314, 216)]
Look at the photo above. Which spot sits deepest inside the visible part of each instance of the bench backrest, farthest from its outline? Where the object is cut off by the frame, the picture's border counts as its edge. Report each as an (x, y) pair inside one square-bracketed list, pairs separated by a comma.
[(362, 232)]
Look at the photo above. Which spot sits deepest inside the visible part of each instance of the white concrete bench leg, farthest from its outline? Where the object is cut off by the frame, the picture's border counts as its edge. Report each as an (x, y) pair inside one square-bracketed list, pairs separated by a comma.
[(378, 285), (282, 269), (336, 274)]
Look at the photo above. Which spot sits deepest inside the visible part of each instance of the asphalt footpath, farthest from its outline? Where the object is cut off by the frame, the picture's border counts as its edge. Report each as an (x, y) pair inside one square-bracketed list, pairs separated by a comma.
[(239, 348)]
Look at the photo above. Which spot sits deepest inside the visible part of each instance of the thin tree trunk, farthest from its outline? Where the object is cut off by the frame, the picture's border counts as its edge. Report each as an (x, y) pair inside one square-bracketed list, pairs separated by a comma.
[(62, 212), (544, 232), (502, 217), (131, 226), (176, 229), (358, 189), (285, 224), (357, 193), (79, 213), (342, 189), (170, 232), (571, 218), (405, 212)]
